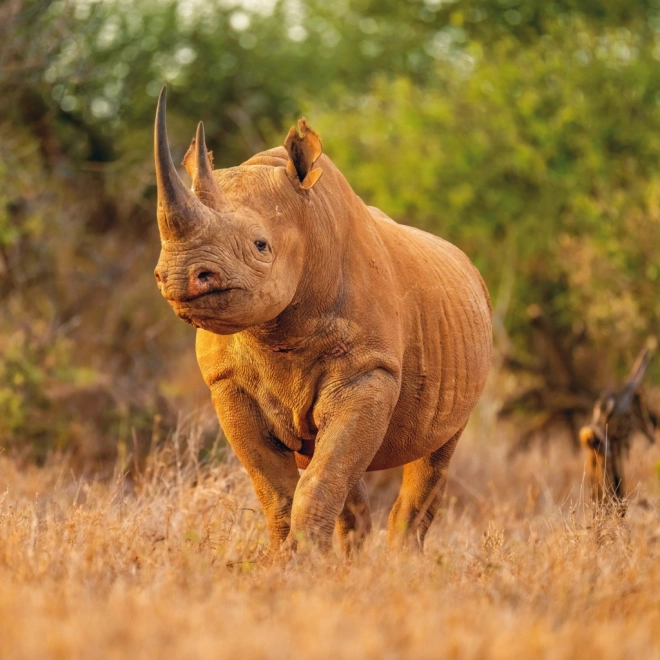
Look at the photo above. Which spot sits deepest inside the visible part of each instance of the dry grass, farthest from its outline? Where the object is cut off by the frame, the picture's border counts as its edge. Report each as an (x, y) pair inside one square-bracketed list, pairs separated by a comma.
[(517, 567)]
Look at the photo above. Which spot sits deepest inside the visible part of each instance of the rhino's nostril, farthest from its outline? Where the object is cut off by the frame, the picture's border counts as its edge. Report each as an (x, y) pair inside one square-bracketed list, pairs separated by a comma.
[(158, 277), (204, 276)]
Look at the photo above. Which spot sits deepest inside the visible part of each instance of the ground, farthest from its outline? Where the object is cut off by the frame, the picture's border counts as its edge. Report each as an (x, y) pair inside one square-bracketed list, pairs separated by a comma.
[(158, 565)]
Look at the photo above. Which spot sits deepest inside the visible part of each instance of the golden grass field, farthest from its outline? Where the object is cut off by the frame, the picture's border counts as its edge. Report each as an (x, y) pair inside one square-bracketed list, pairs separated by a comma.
[(158, 566)]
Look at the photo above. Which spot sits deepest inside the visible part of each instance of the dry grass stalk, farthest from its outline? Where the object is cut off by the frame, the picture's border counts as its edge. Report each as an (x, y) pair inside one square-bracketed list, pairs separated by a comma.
[(163, 567), (617, 416)]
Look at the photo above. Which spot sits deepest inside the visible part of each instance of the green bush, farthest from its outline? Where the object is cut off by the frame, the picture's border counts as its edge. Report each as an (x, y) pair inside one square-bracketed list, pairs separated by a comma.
[(540, 161), (525, 132)]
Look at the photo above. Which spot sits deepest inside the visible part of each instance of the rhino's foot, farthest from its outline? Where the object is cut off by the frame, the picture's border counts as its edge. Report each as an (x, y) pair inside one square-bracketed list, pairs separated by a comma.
[(297, 553)]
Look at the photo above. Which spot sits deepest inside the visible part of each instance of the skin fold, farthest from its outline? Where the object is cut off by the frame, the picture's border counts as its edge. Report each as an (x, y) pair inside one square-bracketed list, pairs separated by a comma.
[(333, 340)]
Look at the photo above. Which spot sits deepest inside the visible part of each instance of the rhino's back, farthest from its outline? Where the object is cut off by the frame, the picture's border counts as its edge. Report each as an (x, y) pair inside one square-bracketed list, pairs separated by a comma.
[(446, 340)]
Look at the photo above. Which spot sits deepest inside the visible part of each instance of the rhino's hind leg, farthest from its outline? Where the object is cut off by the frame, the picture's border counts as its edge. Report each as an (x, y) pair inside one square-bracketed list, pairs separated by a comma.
[(354, 522), (423, 487)]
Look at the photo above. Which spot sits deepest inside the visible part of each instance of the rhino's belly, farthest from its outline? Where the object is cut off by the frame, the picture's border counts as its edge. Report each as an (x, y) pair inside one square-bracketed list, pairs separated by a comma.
[(401, 446), (391, 454), (414, 432)]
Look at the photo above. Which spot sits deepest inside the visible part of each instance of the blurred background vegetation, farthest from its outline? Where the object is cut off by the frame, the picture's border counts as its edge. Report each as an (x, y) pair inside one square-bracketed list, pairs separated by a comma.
[(525, 131)]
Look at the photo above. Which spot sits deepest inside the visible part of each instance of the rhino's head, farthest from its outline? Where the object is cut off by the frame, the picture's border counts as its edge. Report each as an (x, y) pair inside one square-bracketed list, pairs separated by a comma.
[(227, 262)]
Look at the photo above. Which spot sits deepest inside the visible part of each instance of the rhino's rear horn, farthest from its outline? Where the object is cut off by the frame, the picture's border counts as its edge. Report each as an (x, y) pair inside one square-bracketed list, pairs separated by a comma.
[(180, 213), (199, 165)]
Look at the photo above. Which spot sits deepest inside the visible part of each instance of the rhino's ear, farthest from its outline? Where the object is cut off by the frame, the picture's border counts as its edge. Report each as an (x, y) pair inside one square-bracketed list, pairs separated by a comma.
[(304, 149)]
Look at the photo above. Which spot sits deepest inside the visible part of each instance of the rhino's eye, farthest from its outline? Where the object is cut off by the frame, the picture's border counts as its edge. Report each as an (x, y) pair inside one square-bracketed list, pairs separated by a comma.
[(261, 245)]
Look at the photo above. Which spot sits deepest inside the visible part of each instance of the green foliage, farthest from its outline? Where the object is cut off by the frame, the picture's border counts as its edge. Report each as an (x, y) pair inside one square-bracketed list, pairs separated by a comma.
[(525, 132), (539, 161), (243, 68)]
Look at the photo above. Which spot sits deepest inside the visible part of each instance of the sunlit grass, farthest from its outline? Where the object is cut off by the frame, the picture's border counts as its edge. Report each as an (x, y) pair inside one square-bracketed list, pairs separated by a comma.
[(161, 566)]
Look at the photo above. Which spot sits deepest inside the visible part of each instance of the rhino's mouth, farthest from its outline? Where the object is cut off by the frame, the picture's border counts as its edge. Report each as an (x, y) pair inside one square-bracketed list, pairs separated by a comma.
[(208, 310), (184, 300)]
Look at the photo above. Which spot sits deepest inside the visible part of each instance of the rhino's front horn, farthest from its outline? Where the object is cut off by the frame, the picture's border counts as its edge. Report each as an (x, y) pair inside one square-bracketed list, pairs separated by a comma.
[(198, 164), (180, 213)]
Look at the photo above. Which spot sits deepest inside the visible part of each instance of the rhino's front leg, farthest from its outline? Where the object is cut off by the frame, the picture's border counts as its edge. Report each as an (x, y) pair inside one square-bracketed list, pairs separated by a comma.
[(270, 465), (354, 522), (352, 421)]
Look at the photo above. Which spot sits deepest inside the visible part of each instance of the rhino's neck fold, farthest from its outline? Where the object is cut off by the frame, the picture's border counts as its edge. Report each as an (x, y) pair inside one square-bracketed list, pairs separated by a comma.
[(330, 226)]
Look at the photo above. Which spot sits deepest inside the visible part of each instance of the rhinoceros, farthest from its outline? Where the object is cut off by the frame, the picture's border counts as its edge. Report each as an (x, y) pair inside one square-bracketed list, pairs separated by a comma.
[(334, 341)]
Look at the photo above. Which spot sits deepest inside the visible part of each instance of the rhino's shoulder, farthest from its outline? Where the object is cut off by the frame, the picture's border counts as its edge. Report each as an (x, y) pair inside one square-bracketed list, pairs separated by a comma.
[(379, 215), (426, 257), (414, 237)]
